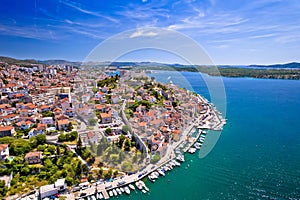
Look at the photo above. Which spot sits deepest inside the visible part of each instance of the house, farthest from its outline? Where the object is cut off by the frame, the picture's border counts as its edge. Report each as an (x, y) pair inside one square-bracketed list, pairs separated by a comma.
[(62, 124), (85, 98), (33, 157), (70, 112), (114, 99), (35, 132), (47, 191), (92, 138), (47, 120), (7, 131), (105, 118), (60, 184), (24, 124), (4, 151), (44, 108)]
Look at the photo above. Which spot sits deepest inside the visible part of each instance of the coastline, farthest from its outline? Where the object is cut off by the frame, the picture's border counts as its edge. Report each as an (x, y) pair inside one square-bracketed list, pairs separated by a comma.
[(212, 121)]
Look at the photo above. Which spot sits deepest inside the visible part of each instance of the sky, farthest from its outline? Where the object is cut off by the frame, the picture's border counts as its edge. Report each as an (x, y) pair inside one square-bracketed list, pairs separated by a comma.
[(235, 32)]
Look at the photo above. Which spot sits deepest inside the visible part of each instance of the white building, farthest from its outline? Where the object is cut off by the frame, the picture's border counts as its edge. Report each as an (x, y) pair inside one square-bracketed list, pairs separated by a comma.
[(47, 120), (4, 151)]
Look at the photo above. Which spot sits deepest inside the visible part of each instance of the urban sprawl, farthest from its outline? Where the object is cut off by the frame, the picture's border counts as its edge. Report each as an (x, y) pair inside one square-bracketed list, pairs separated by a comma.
[(93, 132)]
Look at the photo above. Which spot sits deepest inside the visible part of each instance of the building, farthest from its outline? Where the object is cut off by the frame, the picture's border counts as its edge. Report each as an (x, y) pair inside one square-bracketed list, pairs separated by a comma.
[(52, 189), (62, 124), (47, 120), (60, 184), (48, 190), (105, 118), (34, 157), (4, 151), (7, 131)]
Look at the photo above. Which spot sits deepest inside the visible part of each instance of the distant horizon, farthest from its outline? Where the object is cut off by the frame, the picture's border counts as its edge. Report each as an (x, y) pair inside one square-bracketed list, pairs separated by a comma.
[(240, 32), (139, 61)]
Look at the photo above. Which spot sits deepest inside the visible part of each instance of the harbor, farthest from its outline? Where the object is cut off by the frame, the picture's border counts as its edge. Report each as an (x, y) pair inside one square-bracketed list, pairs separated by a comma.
[(134, 182)]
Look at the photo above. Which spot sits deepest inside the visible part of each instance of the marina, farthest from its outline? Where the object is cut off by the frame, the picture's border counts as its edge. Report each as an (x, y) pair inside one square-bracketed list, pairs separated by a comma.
[(112, 189)]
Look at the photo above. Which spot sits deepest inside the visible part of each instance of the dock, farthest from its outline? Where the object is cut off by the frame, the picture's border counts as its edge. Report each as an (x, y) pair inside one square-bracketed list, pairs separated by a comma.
[(105, 195)]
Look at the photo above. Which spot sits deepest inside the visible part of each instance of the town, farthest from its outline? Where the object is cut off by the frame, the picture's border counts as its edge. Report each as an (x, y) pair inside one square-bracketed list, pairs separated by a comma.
[(71, 132)]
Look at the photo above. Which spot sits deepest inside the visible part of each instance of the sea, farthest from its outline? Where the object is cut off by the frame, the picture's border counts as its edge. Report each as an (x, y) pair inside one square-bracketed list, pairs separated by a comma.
[(257, 155)]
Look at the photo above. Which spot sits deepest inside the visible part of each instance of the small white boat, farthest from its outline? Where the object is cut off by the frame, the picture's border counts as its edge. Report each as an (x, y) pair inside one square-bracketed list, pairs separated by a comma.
[(131, 186), (97, 196), (138, 185), (122, 189), (111, 193), (93, 197), (177, 163), (101, 196), (192, 150), (127, 190), (151, 178), (153, 175), (146, 188), (144, 191), (156, 174), (118, 191), (161, 172), (115, 192)]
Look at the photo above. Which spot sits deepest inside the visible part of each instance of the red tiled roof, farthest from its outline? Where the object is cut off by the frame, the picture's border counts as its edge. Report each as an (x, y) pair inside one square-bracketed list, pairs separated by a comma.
[(33, 154), (3, 146), (6, 128)]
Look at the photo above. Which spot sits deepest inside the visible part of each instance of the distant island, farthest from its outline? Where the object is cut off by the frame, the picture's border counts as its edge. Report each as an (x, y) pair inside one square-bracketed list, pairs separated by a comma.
[(275, 71)]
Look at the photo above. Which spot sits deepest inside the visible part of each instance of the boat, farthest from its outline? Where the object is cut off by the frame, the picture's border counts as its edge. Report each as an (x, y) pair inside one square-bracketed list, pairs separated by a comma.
[(127, 190), (131, 186), (153, 175), (100, 195), (151, 178), (161, 172), (97, 196), (111, 193), (177, 163), (180, 158), (156, 174), (115, 192), (144, 191), (138, 185), (197, 146), (192, 150), (146, 188), (93, 197), (122, 189), (118, 191), (89, 198)]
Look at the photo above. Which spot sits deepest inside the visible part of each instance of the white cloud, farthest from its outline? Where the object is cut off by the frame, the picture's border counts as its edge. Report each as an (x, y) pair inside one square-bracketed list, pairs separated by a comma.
[(143, 33)]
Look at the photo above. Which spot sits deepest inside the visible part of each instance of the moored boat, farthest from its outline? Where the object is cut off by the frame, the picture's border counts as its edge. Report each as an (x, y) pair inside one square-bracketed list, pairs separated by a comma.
[(131, 186), (127, 190)]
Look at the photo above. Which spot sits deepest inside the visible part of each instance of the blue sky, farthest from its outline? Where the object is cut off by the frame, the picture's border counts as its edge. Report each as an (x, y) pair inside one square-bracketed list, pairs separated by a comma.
[(230, 31)]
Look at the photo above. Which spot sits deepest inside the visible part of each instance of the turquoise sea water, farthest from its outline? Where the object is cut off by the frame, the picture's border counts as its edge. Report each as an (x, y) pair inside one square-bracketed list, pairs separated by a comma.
[(258, 153)]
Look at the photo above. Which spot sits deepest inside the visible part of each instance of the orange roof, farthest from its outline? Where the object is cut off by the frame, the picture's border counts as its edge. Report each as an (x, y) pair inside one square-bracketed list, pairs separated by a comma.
[(44, 106), (99, 106), (3, 146), (33, 154), (4, 106), (105, 115), (9, 116), (62, 121), (142, 124), (6, 128)]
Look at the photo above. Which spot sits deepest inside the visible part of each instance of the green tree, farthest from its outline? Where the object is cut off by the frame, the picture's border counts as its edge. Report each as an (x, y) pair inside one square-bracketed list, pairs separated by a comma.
[(108, 131), (40, 139), (122, 138), (3, 188), (125, 129), (93, 121), (127, 145)]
